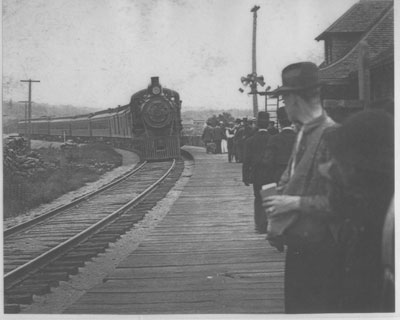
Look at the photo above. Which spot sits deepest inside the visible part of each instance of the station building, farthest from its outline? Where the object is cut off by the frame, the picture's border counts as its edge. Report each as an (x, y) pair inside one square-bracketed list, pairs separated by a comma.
[(359, 58)]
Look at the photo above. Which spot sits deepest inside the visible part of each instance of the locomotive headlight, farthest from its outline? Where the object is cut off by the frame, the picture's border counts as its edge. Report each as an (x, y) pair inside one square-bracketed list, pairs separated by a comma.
[(156, 90)]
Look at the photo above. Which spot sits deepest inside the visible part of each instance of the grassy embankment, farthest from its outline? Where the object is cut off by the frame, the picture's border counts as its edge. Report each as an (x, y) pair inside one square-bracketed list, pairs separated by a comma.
[(87, 163)]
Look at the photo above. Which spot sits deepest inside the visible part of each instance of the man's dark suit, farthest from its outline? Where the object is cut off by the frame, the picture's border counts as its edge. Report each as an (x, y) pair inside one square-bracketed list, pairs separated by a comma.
[(256, 173), (278, 151), (218, 136)]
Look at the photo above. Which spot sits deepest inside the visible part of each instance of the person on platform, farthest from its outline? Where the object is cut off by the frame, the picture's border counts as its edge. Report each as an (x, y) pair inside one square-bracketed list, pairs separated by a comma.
[(272, 130), (230, 133), (362, 175), (250, 129), (307, 225), (388, 303), (280, 146), (245, 132), (254, 171), (239, 139), (238, 125), (218, 136), (208, 135), (224, 142)]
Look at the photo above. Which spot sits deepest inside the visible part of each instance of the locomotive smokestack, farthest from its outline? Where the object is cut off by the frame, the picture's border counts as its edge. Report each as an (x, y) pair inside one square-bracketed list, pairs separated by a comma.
[(155, 81)]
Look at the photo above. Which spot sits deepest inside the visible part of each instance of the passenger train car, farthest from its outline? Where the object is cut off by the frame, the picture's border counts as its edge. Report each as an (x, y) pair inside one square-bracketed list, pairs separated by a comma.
[(150, 124)]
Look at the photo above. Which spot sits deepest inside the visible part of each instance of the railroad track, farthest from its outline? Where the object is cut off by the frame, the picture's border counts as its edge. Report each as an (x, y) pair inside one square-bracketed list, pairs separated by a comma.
[(39, 254)]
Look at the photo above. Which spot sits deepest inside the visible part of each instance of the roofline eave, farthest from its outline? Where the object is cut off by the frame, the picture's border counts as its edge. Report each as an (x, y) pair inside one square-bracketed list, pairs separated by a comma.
[(335, 81), (324, 35), (356, 46)]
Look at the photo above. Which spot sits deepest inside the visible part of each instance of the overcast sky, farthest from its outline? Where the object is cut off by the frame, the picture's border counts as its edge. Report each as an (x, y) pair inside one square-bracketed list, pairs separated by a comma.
[(97, 53)]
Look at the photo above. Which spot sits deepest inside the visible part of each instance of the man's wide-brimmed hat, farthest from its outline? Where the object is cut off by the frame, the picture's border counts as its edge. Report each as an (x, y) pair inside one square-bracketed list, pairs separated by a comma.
[(298, 77)]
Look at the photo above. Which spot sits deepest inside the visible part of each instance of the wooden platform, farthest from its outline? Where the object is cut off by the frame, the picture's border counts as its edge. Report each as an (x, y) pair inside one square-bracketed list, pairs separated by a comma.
[(204, 257)]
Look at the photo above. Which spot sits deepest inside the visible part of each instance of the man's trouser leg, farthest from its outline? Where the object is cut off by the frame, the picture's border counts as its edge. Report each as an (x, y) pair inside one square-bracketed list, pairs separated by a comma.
[(260, 218), (218, 146), (239, 152), (313, 278), (230, 150)]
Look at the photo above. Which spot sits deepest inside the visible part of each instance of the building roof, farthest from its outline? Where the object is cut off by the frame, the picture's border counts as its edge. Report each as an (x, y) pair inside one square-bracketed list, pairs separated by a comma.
[(379, 38), (359, 18), (384, 58)]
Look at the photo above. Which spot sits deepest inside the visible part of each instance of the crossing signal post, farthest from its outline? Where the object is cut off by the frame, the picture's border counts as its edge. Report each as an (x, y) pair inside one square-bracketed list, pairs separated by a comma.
[(253, 80)]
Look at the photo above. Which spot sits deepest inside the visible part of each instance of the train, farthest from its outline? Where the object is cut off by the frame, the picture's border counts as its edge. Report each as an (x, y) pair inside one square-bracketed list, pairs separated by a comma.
[(150, 124)]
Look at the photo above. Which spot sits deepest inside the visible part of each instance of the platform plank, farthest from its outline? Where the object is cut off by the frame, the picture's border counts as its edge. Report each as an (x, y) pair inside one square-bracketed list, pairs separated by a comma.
[(203, 257)]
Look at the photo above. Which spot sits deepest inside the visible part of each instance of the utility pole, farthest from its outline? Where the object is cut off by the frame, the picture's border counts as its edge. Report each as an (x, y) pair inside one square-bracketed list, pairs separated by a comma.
[(30, 110), (254, 61), (252, 79), (26, 116)]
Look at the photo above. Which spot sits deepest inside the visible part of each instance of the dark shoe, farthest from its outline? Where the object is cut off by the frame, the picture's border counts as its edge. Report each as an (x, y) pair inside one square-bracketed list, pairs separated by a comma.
[(276, 243), (259, 231)]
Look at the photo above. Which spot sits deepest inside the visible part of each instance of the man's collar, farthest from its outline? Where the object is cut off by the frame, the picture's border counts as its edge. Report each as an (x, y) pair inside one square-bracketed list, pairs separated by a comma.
[(315, 122), (262, 130)]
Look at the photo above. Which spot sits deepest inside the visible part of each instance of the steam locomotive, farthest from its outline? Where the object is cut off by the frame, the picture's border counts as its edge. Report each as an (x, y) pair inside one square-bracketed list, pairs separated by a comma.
[(149, 125)]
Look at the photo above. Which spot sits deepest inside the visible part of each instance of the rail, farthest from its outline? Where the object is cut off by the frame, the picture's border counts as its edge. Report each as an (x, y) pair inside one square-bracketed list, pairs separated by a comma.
[(23, 271), (54, 212)]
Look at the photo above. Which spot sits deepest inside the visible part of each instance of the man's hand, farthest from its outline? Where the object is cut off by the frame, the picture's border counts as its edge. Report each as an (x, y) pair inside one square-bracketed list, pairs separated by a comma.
[(275, 205)]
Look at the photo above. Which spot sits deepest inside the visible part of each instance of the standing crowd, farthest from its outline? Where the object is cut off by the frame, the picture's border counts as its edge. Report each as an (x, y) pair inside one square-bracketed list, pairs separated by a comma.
[(332, 208), (231, 139)]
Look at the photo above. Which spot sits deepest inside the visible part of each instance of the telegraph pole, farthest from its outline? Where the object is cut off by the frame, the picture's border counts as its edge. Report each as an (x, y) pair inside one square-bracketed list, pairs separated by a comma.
[(30, 110), (26, 116)]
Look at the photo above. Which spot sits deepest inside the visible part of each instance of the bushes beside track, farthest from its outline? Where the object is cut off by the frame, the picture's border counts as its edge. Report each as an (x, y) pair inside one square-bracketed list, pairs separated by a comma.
[(34, 178)]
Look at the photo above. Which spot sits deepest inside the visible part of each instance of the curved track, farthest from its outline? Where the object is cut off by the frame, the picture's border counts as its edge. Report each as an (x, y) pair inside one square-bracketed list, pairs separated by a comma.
[(51, 213), (39, 254)]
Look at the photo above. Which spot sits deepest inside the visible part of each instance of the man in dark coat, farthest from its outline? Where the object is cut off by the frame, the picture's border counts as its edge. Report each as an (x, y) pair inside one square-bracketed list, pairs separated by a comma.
[(362, 171), (272, 130), (280, 146), (208, 135), (250, 128), (307, 225), (254, 171), (239, 140), (230, 133), (218, 136), (238, 125)]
